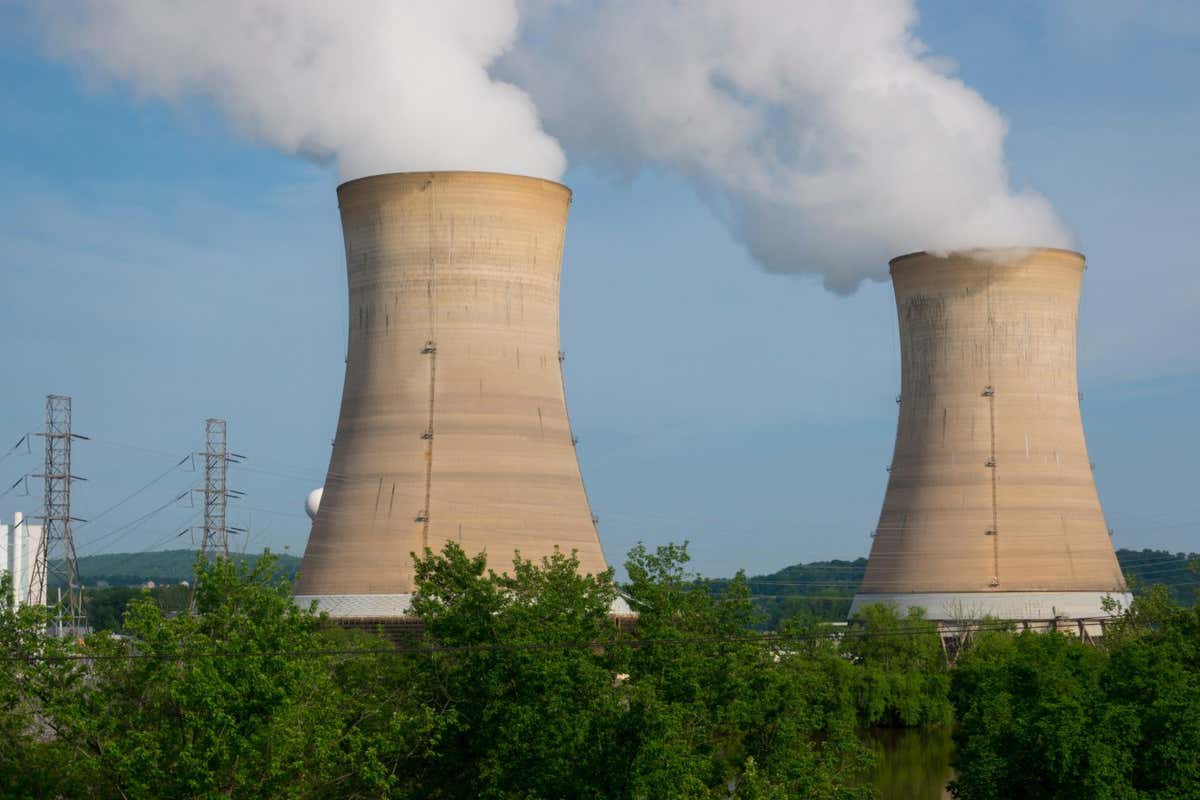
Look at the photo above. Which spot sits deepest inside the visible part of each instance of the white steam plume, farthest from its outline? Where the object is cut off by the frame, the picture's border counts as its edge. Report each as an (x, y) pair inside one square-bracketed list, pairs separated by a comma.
[(381, 85), (820, 132)]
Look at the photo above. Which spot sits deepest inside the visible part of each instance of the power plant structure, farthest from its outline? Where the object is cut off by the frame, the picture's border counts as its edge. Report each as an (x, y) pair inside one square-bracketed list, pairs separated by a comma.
[(20, 544), (453, 422), (991, 507)]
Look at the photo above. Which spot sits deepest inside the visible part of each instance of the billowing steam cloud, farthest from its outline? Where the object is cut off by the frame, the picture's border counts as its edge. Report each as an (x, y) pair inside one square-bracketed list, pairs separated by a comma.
[(382, 86), (821, 133)]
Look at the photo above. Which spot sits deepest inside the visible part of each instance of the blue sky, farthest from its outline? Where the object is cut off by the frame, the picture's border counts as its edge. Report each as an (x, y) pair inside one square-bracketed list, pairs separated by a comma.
[(161, 270)]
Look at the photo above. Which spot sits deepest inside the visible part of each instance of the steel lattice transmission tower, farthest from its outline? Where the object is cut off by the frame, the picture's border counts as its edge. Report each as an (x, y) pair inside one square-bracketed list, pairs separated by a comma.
[(56, 555), (216, 492)]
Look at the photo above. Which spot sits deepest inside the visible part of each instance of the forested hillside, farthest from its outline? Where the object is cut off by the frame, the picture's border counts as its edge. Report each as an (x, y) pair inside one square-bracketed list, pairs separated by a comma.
[(125, 573), (160, 566), (825, 588), (820, 588), (1176, 571)]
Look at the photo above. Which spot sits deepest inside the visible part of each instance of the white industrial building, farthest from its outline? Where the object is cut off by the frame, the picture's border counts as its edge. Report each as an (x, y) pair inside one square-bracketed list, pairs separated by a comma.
[(19, 546)]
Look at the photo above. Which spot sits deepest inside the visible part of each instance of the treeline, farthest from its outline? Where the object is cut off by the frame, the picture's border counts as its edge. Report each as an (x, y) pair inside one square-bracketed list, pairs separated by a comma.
[(821, 590), (161, 566), (106, 608), (522, 686), (1146, 569), (824, 589)]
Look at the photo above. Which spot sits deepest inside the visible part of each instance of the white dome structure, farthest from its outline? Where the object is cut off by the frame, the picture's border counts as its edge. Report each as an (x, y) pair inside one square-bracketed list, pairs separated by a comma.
[(313, 502)]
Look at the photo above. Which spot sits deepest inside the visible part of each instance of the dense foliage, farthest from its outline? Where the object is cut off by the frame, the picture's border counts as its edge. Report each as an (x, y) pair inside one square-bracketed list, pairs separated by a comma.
[(524, 686), (227, 702), (557, 700), (1048, 716), (901, 680), (106, 607)]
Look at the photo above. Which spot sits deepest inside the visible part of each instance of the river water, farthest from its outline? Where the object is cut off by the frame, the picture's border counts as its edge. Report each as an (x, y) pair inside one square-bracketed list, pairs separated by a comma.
[(912, 763)]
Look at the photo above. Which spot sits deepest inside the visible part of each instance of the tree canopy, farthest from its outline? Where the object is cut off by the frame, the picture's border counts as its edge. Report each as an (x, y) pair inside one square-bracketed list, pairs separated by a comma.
[(1044, 715), (523, 685)]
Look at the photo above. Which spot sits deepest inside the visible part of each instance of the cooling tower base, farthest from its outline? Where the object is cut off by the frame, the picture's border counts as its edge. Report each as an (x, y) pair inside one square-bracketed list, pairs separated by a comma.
[(949, 606), (375, 606)]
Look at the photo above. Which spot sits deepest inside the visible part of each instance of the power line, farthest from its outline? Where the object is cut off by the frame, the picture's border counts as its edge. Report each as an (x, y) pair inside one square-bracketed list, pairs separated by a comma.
[(132, 525), (137, 447), (134, 494), (24, 479), (24, 440), (271, 511), (151, 548), (313, 474)]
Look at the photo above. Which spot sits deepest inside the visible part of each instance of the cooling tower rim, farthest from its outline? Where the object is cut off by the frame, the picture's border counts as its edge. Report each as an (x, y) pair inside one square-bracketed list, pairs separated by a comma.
[(436, 173), (975, 251)]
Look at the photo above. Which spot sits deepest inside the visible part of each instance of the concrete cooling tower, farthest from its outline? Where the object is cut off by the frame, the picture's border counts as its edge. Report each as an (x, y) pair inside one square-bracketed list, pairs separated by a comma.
[(991, 508), (453, 424)]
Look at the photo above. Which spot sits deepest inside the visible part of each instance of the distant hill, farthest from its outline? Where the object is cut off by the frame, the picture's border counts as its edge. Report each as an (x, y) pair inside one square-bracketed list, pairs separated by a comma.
[(160, 566), (821, 588), (825, 588), (1145, 568)]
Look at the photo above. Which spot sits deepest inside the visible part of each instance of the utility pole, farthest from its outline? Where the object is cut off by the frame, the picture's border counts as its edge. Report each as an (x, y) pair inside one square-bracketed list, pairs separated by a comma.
[(56, 553), (216, 493)]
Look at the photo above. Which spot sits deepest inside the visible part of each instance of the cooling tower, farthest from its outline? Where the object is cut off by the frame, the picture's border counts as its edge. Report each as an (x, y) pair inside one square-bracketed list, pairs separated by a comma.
[(991, 508), (453, 424)]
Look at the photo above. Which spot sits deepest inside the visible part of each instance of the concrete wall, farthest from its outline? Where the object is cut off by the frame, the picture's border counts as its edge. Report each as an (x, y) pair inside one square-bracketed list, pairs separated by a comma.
[(453, 422), (991, 488)]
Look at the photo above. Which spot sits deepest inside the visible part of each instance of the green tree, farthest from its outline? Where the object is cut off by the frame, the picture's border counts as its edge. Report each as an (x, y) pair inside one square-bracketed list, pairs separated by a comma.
[(902, 678), (522, 686), (26, 768), (543, 697), (713, 705), (519, 677), (106, 607), (241, 699), (1044, 715)]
